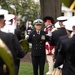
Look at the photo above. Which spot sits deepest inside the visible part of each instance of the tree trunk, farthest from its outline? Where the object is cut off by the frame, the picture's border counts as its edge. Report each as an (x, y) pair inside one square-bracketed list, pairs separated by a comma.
[(50, 8)]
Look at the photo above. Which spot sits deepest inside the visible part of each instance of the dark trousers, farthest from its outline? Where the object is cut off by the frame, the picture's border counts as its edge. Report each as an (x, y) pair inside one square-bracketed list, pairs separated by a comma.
[(17, 66), (1, 71), (38, 62)]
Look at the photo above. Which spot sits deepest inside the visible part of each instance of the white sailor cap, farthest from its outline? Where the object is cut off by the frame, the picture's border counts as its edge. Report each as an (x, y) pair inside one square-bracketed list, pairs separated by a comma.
[(62, 18), (57, 25), (38, 21), (70, 21), (9, 17), (69, 27), (2, 13)]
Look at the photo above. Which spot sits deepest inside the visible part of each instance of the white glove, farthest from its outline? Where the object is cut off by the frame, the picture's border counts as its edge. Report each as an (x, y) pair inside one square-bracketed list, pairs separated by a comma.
[(26, 37)]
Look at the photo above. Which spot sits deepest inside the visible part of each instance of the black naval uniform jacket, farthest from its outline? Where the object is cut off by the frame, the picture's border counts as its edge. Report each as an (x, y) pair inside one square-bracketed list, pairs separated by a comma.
[(38, 43), (12, 43), (56, 34), (18, 33), (38, 50), (67, 53), (59, 43), (55, 37)]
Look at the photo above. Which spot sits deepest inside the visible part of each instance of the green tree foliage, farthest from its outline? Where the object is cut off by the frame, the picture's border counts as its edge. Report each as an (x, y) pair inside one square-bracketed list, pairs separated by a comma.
[(23, 7)]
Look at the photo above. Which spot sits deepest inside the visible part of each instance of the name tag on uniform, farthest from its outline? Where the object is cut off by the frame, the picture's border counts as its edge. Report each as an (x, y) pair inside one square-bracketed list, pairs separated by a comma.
[(43, 37)]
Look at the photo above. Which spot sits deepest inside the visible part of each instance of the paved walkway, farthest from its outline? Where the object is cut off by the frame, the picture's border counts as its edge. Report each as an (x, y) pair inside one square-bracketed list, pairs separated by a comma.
[(27, 57)]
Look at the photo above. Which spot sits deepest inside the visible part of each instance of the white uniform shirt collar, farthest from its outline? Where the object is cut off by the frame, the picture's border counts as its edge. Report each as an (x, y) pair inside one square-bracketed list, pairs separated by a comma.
[(38, 31)]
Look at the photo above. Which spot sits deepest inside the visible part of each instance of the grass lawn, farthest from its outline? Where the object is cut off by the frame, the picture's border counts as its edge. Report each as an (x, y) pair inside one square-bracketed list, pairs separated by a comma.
[(26, 68)]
